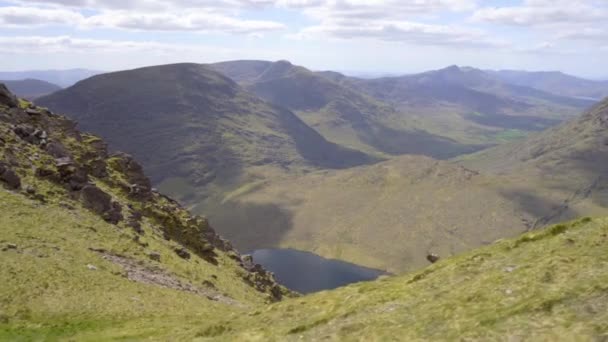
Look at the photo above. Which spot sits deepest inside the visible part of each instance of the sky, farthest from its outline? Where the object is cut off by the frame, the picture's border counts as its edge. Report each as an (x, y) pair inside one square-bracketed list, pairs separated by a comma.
[(355, 36)]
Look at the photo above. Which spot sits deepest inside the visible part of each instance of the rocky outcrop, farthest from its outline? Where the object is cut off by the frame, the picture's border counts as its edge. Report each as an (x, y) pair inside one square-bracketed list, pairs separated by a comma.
[(7, 98), (76, 169), (101, 203), (9, 177)]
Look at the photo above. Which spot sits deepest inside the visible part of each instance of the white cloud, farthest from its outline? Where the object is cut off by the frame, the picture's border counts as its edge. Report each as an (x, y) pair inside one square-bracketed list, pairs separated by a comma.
[(198, 21), (32, 16), (401, 31), (60, 44), (544, 12)]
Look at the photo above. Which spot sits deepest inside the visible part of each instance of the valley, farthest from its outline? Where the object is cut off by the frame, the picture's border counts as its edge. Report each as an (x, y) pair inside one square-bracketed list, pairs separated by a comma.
[(317, 161), (303, 170), (83, 225)]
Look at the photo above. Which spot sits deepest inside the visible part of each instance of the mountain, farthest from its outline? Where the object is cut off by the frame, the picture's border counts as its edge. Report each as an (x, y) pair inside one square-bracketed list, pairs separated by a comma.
[(86, 240), (438, 113), (340, 113), (556, 82), (91, 252), (196, 132), (63, 78), (391, 214), (565, 162), (471, 106), (30, 88)]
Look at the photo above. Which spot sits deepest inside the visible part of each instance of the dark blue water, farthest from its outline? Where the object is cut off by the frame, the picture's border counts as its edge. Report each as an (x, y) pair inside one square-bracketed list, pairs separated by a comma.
[(307, 272)]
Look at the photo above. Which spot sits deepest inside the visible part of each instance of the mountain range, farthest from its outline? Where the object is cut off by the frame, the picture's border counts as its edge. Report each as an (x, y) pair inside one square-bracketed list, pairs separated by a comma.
[(31, 88), (494, 177), (62, 78), (317, 160), (90, 251)]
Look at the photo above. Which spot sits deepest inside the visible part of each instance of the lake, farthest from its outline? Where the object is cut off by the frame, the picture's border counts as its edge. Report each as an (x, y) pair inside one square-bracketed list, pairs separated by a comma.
[(307, 272)]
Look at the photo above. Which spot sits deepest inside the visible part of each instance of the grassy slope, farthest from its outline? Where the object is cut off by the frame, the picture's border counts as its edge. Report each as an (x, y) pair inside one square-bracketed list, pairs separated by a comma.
[(391, 214), (48, 291), (64, 269), (545, 285), (387, 216)]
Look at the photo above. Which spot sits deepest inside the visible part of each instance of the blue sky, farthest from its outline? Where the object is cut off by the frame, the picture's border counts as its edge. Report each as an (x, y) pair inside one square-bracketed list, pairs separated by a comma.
[(372, 36)]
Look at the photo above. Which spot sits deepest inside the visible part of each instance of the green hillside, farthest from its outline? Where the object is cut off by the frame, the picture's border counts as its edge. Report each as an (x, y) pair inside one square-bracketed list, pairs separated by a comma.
[(196, 132), (87, 244), (390, 215), (339, 112), (91, 253), (438, 113)]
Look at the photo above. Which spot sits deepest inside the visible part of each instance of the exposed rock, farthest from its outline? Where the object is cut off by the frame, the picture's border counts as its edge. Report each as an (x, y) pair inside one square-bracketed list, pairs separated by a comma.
[(432, 258), (92, 267), (57, 150), (63, 162), (182, 253), (134, 222), (30, 190), (101, 203), (140, 186), (247, 261), (32, 112), (154, 256), (9, 177), (6, 98)]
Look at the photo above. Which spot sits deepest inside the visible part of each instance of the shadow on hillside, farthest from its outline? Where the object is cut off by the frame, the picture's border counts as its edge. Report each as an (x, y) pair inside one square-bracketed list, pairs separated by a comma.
[(397, 142), (525, 123), (251, 226), (313, 147), (543, 210)]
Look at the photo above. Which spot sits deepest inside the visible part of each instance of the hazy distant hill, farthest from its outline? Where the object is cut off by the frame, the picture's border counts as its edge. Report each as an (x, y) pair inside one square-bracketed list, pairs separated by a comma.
[(196, 132), (468, 105), (341, 113), (63, 78), (31, 88), (556, 82)]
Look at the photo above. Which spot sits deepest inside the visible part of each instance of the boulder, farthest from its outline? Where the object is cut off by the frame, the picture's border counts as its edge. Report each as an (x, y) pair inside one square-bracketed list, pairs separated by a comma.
[(96, 200), (154, 256), (57, 150), (9, 177), (432, 258), (7, 98), (182, 253)]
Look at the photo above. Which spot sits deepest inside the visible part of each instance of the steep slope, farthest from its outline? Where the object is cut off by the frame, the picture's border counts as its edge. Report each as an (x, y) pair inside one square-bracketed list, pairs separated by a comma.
[(63, 78), (30, 88), (556, 82), (390, 215), (546, 285), (470, 105), (340, 113), (85, 242), (568, 161), (196, 132)]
